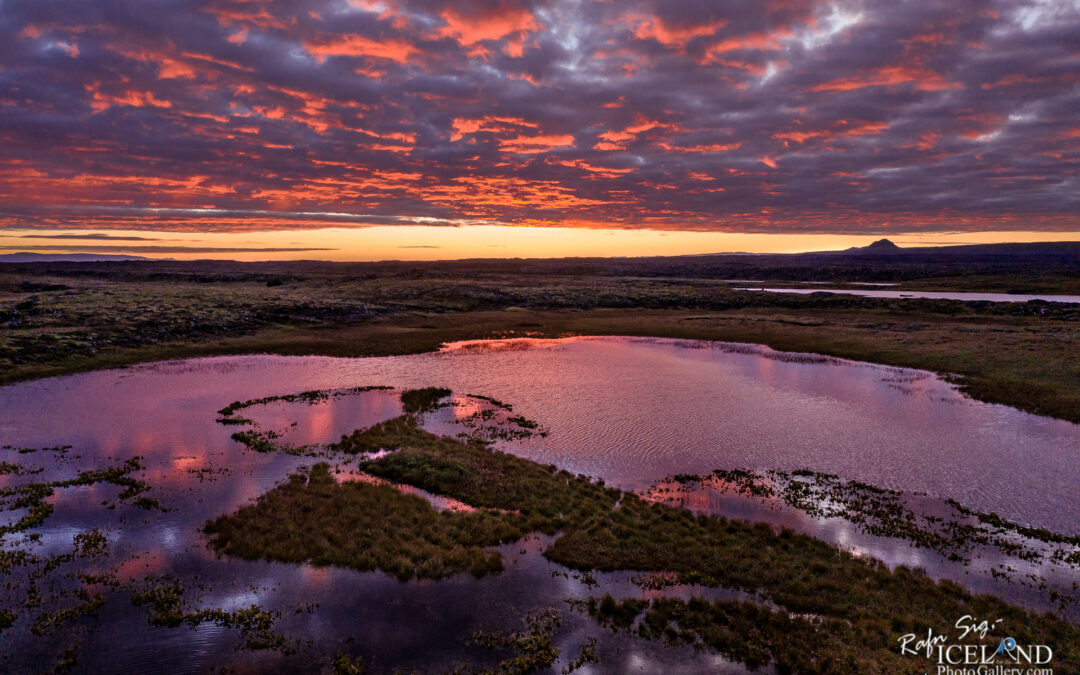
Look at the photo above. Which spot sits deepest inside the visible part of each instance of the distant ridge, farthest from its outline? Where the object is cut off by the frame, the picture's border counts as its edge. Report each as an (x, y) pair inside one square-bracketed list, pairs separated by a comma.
[(27, 257)]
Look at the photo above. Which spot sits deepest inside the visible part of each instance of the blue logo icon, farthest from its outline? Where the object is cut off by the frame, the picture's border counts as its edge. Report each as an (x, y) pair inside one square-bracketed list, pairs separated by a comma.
[(1007, 645)]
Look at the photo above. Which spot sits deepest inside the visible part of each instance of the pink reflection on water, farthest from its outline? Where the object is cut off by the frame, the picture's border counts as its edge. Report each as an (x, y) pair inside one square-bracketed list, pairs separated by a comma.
[(155, 561), (464, 407), (326, 421), (440, 502)]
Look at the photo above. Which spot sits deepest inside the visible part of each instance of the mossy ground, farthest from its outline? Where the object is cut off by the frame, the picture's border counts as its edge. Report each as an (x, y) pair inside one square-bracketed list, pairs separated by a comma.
[(848, 612)]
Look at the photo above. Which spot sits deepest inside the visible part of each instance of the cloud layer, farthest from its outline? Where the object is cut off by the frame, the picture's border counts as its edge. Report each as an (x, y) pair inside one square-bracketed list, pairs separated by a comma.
[(763, 115)]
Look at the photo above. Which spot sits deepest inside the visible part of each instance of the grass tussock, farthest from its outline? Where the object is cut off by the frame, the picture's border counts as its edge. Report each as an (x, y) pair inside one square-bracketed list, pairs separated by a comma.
[(423, 400)]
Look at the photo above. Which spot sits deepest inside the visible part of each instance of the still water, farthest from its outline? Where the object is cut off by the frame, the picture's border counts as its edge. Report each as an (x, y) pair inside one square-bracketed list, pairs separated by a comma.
[(931, 295), (631, 411)]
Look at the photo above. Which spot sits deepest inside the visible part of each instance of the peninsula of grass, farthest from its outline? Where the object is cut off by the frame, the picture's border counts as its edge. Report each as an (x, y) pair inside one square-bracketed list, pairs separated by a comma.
[(850, 610), (366, 527), (310, 397), (383, 436)]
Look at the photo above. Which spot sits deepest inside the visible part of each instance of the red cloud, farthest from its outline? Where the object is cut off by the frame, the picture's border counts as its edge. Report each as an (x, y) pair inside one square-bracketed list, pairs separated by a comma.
[(922, 79), (358, 45)]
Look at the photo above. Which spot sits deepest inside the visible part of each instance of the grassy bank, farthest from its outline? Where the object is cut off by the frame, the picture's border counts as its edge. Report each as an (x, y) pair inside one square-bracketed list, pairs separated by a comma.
[(848, 612)]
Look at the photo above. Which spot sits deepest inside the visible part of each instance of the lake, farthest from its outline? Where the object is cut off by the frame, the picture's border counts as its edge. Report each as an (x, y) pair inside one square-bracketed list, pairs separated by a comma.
[(629, 410)]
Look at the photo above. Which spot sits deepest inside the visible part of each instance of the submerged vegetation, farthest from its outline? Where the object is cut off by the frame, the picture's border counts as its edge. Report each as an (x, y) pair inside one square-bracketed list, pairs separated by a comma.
[(535, 647), (32, 498), (884, 512), (51, 595), (311, 397), (165, 604), (848, 609), (58, 597)]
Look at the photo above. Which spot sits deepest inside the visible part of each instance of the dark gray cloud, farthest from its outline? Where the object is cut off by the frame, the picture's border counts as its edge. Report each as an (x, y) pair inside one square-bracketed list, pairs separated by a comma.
[(118, 248), (763, 115), (90, 235)]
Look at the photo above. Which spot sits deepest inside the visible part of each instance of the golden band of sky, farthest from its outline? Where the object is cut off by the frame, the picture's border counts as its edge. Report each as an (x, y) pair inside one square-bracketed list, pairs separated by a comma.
[(443, 243)]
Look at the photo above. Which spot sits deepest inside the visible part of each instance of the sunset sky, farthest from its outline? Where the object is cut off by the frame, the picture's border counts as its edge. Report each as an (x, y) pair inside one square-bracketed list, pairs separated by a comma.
[(353, 129)]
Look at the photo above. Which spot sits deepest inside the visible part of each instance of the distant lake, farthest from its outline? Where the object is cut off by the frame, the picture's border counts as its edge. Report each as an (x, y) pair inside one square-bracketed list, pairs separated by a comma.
[(931, 295), (629, 410)]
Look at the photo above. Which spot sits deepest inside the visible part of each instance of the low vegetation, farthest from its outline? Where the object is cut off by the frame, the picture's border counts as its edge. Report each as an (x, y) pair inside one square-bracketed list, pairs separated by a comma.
[(63, 318), (858, 607), (364, 526)]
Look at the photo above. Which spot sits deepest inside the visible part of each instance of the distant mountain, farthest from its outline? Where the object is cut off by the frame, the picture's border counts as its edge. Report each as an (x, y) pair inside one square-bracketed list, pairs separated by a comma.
[(879, 247), (27, 257)]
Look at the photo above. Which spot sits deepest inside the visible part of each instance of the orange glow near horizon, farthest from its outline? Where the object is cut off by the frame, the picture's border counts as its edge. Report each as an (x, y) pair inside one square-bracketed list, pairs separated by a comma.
[(475, 241)]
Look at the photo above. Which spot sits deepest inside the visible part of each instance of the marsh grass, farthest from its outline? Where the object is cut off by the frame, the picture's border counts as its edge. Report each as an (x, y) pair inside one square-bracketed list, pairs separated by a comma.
[(382, 436), (343, 664), (59, 449), (260, 440), (312, 518), (493, 401), (364, 526), (10, 468), (492, 424), (257, 440), (423, 400), (311, 397)]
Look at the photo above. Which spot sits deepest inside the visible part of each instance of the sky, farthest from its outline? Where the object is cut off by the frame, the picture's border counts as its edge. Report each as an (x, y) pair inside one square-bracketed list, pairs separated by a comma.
[(363, 129)]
